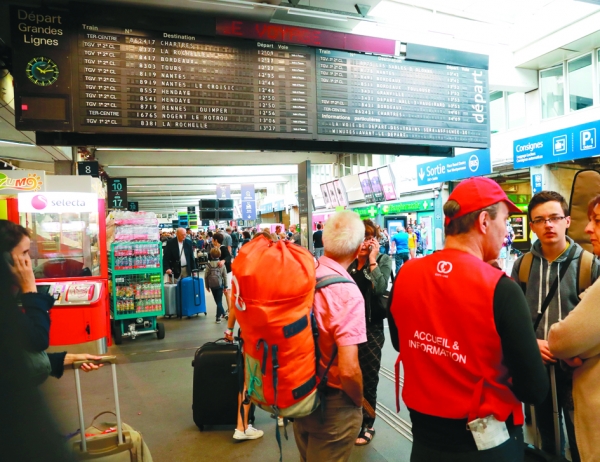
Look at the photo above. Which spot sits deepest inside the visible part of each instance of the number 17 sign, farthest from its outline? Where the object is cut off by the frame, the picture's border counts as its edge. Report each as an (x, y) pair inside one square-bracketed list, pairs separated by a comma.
[(117, 193)]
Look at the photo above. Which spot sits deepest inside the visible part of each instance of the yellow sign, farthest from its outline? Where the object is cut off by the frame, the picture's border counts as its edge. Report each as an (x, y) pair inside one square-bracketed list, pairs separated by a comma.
[(15, 181)]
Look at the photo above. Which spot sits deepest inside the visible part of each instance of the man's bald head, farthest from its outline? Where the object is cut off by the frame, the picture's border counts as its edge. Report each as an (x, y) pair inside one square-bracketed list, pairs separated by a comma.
[(180, 234)]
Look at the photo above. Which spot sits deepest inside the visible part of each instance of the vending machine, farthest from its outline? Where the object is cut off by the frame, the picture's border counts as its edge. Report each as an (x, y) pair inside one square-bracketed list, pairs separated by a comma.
[(69, 259)]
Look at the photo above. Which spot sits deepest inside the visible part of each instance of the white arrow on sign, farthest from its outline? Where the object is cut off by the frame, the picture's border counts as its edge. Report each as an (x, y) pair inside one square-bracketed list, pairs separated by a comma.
[(421, 174)]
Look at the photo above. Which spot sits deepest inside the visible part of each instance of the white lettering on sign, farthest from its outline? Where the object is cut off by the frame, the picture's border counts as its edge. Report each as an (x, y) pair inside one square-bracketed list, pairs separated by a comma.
[(436, 345)]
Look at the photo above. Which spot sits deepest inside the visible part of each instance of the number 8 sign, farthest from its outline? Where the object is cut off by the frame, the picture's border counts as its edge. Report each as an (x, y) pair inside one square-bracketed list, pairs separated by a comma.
[(88, 168)]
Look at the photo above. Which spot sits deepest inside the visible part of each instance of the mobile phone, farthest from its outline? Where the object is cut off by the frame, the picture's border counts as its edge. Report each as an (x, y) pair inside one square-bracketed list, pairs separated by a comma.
[(9, 259), (370, 247)]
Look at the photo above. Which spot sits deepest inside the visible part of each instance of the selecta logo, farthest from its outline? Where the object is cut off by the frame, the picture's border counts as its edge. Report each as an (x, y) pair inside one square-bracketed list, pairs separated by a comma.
[(31, 182), (39, 202)]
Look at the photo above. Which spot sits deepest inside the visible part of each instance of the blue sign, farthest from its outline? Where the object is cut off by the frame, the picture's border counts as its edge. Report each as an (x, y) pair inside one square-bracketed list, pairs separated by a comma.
[(567, 144), (248, 192), (249, 210), (474, 163), (223, 191), (536, 183), (267, 207), (278, 205)]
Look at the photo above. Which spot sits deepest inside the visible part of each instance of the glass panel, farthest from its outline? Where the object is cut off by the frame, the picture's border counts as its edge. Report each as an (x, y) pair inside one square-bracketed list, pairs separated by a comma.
[(552, 92), (64, 245), (516, 109), (497, 112), (581, 87)]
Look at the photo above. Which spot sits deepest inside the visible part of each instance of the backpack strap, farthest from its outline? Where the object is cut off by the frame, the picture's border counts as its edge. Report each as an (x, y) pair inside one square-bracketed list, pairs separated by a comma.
[(584, 277), (330, 279), (525, 269)]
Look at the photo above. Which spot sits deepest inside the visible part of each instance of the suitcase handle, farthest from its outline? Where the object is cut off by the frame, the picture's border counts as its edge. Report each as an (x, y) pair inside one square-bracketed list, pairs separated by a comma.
[(117, 407), (104, 360)]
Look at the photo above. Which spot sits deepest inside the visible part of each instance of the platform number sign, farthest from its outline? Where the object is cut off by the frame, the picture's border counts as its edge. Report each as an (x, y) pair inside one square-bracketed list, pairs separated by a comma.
[(133, 206), (117, 193), (89, 168)]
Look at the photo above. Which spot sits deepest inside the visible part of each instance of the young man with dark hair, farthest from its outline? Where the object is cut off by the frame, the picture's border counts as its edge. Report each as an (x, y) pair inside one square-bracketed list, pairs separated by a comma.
[(553, 257)]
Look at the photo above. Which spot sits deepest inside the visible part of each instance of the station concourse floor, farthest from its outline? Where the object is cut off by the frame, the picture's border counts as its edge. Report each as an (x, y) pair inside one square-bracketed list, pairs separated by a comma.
[(155, 389)]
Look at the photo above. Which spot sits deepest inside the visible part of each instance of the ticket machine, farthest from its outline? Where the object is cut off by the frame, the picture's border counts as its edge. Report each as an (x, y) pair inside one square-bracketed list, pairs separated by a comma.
[(69, 259)]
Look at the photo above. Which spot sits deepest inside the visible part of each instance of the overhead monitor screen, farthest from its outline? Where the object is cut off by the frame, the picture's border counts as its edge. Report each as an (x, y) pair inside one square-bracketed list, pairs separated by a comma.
[(376, 186), (365, 185), (332, 195), (208, 204), (325, 194), (387, 183), (225, 214), (225, 203), (337, 184)]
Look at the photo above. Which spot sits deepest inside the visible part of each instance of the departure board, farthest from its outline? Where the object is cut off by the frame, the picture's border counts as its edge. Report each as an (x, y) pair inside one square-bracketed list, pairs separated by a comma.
[(87, 78), (133, 80), (362, 97)]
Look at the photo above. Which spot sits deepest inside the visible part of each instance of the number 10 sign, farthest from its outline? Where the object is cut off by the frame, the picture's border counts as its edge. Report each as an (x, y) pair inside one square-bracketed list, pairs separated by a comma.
[(117, 193)]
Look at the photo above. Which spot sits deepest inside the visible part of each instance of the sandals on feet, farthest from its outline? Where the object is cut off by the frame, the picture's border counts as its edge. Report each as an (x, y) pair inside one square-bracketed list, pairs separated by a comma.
[(366, 434)]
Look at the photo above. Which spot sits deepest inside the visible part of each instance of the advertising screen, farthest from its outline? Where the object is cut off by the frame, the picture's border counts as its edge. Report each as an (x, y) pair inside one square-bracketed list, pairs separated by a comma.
[(365, 185), (387, 183), (341, 196), (376, 185), (325, 193), (332, 194)]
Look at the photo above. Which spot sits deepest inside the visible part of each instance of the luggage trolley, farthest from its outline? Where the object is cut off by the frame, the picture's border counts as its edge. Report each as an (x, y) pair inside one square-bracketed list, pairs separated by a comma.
[(136, 287)]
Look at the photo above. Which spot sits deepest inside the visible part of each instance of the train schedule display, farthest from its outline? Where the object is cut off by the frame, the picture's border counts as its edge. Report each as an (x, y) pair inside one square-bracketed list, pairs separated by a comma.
[(85, 78)]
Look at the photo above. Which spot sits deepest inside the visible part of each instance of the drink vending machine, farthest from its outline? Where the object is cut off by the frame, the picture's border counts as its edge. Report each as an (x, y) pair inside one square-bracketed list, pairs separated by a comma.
[(69, 258)]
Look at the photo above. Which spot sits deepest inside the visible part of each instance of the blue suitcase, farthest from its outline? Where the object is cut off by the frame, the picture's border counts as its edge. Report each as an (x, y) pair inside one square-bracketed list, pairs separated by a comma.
[(190, 296)]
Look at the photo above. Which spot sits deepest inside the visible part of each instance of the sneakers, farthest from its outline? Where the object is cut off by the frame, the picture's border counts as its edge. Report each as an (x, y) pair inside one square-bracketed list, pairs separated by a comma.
[(280, 422), (251, 433), (218, 321)]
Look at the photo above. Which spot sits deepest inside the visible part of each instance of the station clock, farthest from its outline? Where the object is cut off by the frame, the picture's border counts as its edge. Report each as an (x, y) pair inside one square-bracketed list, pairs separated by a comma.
[(42, 71)]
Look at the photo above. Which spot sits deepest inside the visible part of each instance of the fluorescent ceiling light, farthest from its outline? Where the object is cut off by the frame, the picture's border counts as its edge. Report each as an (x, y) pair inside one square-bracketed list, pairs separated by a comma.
[(317, 15), (18, 143)]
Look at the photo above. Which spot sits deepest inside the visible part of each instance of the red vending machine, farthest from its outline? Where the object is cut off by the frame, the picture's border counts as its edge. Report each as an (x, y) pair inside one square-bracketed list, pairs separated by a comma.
[(69, 257)]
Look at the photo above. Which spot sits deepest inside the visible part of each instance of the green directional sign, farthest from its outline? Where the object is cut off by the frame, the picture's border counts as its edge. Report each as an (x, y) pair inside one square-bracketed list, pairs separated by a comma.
[(425, 205)]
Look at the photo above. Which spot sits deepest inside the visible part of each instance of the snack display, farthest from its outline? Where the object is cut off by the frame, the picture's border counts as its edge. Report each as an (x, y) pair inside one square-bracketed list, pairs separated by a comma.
[(138, 298), (132, 226)]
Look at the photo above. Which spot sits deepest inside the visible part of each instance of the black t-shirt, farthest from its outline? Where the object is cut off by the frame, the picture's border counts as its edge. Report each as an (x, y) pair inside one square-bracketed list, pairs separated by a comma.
[(521, 357), (226, 255), (318, 239)]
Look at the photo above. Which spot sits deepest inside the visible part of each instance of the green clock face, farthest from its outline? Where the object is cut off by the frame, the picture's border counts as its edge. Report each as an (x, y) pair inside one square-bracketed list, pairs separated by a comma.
[(42, 71)]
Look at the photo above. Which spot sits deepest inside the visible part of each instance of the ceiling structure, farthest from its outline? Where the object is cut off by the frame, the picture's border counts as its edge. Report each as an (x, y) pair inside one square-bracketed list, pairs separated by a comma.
[(530, 34)]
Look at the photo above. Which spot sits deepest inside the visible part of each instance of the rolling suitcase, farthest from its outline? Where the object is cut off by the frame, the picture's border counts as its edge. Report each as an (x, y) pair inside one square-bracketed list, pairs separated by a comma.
[(100, 442), (215, 400), (534, 453), (217, 375), (170, 298), (190, 296)]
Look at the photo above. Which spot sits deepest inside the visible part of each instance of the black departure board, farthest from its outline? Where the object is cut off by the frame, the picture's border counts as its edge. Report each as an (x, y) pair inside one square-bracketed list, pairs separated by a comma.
[(131, 80), (363, 97), (110, 78)]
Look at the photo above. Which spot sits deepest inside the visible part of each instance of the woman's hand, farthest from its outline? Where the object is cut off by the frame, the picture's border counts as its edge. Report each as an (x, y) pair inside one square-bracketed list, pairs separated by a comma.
[(374, 250), (23, 271), (86, 367)]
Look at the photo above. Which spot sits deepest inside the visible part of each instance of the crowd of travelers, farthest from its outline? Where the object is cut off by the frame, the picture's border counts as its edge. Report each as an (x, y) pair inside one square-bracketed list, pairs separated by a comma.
[(476, 346)]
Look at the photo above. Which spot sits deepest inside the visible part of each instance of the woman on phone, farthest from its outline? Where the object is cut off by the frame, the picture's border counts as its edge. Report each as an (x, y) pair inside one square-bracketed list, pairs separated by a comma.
[(371, 271)]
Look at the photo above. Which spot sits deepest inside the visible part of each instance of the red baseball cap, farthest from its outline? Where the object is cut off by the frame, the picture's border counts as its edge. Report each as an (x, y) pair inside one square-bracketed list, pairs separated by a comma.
[(478, 193)]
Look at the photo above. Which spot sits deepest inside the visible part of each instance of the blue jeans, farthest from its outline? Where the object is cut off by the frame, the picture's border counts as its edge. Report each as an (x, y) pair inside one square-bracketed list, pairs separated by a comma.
[(319, 252), (218, 296), (401, 258), (234, 251)]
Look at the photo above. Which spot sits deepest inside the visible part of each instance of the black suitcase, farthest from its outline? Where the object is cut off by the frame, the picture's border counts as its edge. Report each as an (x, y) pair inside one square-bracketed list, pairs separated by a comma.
[(533, 453), (217, 374)]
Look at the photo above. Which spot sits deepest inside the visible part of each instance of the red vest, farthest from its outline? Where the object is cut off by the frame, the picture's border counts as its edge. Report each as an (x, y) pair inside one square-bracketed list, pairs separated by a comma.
[(443, 305)]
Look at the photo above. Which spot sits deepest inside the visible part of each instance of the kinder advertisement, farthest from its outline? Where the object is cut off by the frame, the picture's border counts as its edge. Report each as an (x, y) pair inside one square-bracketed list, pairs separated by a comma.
[(17, 181), (56, 202)]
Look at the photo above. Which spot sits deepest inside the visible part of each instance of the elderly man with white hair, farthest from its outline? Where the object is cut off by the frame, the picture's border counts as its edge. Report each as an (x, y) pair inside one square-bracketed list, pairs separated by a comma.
[(340, 314), (178, 257)]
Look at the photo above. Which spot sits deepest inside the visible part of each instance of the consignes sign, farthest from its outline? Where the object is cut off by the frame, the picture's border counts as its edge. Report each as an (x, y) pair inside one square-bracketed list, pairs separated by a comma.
[(561, 145), (57, 202)]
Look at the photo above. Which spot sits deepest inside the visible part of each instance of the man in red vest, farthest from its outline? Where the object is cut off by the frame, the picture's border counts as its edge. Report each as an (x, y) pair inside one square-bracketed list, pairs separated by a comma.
[(469, 352)]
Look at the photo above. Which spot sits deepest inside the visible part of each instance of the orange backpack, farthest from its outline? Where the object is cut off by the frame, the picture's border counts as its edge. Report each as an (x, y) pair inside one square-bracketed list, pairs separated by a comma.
[(273, 291)]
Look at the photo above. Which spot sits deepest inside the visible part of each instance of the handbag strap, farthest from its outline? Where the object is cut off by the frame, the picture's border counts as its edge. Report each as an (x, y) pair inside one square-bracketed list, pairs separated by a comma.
[(554, 287)]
